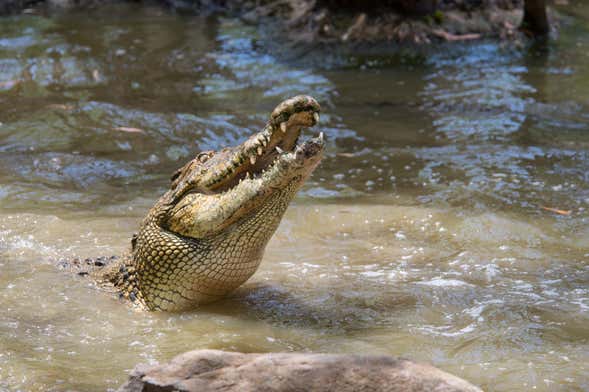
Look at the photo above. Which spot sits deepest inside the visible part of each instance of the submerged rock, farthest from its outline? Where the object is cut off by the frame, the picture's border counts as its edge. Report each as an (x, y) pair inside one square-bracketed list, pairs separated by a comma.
[(213, 370)]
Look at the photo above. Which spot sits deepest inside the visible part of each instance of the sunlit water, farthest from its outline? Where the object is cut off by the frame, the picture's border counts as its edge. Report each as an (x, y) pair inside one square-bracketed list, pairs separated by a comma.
[(425, 232)]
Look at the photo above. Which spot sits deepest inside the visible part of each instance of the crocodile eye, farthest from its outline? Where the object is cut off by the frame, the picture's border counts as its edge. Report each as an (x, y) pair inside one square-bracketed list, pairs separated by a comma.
[(204, 156)]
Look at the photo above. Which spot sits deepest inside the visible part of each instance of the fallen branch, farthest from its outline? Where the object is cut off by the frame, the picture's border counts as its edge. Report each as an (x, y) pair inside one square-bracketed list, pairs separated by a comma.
[(556, 210), (453, 37), (356, 26)]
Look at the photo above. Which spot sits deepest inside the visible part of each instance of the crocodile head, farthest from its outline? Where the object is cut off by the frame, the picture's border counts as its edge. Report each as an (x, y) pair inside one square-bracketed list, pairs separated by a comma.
[(216, 189), (207, 234)]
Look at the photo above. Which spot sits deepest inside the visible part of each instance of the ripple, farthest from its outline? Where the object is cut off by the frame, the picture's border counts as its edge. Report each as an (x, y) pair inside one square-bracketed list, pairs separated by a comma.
[(441, 282)]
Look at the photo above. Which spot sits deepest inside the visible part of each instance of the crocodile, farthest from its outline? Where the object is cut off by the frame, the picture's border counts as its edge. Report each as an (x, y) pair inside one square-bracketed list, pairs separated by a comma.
[(207, 234)]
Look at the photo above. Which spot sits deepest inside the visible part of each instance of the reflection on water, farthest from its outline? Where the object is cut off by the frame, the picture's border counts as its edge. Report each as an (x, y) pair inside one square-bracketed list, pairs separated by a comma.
[(424, 233)]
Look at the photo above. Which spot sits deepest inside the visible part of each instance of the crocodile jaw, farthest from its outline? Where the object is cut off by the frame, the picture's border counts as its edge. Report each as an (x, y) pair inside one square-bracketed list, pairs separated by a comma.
[(226, 168), (237, 181)]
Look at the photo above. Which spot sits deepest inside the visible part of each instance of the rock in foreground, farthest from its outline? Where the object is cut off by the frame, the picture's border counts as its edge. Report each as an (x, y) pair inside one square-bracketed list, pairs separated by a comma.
[(212, 370)]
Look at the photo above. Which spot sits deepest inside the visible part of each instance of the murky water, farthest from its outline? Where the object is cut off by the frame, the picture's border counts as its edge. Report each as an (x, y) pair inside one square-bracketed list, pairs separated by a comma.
[(425, 233)]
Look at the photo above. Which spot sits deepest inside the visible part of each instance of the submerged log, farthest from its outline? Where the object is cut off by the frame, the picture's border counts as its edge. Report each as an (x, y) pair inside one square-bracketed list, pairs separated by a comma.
[(535, 18)]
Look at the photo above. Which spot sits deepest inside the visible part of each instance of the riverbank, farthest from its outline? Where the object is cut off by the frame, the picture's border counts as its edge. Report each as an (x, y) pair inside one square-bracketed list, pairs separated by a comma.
[(325, 22), (312, 22)]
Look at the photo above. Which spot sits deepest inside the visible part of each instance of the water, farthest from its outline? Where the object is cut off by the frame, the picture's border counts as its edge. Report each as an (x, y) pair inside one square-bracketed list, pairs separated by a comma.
[(426, 232)]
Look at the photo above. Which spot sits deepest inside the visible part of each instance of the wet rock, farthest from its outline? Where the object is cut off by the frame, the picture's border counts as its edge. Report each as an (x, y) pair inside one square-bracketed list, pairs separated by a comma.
[(212, 370)]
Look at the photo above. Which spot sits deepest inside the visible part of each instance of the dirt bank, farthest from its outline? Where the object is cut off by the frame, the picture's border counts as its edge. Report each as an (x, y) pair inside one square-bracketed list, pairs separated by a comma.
[(400, 21), (348, 21)]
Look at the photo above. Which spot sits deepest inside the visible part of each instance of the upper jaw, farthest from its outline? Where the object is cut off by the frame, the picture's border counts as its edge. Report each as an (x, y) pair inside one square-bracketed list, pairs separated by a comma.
[(257, 153)]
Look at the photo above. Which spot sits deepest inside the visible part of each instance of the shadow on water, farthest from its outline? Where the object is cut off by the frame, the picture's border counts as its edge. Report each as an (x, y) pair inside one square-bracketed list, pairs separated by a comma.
[(328, 309)]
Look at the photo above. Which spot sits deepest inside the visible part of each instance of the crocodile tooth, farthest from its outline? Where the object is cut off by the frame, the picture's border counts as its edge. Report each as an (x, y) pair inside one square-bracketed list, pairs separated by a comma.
[(283, 127), (316, 117), (264, 141), (248, 175), (280, 150), (253, 159), (321, 136), (260, 150)]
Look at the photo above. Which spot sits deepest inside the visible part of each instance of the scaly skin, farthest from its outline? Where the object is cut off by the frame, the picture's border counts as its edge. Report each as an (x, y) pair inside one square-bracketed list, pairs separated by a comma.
[(207, 234)]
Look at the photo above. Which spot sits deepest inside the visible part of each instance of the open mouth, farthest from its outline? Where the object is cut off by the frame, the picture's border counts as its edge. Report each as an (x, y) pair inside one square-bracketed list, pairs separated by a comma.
[(277, 142)]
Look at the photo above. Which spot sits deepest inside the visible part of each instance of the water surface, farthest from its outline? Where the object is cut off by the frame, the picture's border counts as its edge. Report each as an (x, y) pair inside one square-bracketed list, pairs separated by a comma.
[(448, 222)]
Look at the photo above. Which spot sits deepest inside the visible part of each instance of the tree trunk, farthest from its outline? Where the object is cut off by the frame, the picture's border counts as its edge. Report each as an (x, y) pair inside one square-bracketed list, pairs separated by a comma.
[(535, 19), (418, 7)]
